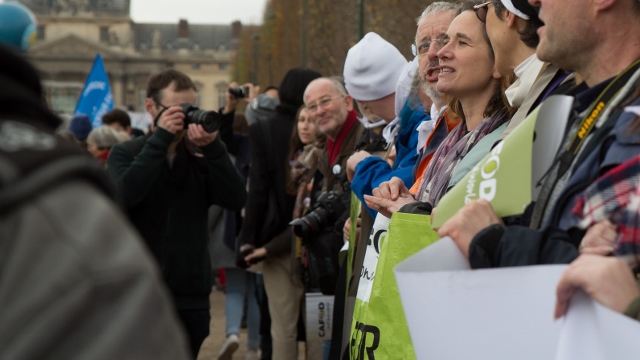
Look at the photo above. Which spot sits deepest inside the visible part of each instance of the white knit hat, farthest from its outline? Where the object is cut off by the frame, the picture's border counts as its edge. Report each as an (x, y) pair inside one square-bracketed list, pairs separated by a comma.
[(372, 68)]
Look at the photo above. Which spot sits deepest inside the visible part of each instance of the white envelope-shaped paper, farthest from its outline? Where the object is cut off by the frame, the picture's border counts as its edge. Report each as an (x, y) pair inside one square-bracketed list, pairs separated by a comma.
[(477, 314)]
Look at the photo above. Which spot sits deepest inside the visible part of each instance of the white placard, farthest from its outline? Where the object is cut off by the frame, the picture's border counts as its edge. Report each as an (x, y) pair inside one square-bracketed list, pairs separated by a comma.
[(477, 314), (505, 313), (371, 255)]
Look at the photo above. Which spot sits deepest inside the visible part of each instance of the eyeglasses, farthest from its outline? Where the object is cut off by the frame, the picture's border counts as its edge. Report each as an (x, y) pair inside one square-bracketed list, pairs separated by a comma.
[(160, 104), (323, 103), (424, 47), (481, 11)]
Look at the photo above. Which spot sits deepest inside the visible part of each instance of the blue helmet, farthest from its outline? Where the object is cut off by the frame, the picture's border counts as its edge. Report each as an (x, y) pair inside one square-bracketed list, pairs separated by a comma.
[(17, 25)]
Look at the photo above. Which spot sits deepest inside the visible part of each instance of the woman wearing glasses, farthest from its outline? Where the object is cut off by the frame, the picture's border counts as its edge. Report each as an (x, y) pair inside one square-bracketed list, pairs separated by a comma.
[(476, 91)]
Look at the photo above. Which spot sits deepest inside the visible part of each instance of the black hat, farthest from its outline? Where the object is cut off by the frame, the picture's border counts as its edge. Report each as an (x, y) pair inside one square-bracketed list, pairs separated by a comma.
[(521, 8)]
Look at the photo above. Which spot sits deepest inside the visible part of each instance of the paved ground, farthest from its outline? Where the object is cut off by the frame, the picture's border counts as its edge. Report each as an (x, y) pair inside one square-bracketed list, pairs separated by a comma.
[(211, 346)]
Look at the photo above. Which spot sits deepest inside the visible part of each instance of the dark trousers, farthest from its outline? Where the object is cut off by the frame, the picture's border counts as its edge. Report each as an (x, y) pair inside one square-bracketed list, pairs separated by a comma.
[(337, 349), (196, 324), (266, 347)]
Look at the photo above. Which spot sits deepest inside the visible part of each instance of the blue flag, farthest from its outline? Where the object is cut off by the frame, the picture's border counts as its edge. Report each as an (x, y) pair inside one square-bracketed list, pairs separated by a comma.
[(96, 98)]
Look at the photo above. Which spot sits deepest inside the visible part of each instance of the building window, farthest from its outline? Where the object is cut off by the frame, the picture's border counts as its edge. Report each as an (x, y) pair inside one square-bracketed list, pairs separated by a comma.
[(222, 66), (62, 97), (104, 34), (199, 87), (40, 32), (222, 95), (142, 96)]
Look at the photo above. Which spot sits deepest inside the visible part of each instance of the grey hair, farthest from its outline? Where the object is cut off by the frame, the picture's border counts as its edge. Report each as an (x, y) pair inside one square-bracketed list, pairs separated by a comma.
[(438, 7), (336, 81), (338, 84), (105, 137)]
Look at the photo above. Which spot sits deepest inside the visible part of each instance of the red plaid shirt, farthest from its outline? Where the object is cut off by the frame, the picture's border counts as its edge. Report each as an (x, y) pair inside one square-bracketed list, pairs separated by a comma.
[(615, 196)]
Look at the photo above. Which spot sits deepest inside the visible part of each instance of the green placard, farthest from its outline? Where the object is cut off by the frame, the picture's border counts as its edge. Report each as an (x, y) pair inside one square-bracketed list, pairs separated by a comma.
[(379, 328), (502, 177)]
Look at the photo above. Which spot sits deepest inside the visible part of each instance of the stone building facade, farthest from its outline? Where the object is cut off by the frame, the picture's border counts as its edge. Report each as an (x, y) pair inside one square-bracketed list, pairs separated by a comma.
[(72, 32)]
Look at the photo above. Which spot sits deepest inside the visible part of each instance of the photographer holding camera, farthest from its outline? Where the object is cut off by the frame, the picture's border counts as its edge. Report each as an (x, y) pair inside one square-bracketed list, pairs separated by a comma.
[(168, 180)]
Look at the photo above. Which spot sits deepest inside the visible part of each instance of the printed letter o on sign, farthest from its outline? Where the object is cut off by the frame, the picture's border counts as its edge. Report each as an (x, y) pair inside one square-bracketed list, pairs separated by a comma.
[(488, 189), (490, 167)]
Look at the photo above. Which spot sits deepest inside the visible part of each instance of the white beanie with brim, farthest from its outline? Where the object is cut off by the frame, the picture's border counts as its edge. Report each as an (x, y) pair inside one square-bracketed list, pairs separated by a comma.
[(372, 68)]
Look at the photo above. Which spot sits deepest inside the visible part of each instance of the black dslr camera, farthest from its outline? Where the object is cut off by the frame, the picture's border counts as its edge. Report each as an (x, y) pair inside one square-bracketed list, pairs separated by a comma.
[(324, 213), (210, 120), (239, 92)]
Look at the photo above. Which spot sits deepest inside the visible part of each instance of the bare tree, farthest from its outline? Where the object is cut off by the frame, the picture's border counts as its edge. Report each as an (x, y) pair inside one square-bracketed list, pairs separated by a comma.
[(267, 52)]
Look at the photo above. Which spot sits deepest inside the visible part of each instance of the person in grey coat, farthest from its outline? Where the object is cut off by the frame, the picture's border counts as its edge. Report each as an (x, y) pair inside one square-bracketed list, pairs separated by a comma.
[(76, 281)]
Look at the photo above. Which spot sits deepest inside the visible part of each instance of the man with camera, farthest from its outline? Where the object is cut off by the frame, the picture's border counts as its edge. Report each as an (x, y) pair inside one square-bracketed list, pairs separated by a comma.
[(332, 110), (168, 180)]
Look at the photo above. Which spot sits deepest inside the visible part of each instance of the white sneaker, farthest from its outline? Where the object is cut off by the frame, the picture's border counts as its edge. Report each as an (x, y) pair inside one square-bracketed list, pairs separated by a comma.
[(252, 355), (229, 346)]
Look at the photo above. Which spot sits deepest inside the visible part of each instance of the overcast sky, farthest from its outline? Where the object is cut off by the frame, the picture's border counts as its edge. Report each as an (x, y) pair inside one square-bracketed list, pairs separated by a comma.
[(198, 11)]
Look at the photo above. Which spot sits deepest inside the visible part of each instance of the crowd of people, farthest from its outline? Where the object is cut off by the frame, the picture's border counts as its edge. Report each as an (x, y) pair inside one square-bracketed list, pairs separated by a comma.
[(110, 241)]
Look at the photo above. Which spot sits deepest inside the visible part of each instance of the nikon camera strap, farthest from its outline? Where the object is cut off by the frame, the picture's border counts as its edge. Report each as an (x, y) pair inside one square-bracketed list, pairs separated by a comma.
[(587, 125), (585, 128)]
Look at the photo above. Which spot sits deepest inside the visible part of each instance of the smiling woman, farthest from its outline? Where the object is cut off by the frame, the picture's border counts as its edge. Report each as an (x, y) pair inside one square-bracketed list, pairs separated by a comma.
[(476, 91)]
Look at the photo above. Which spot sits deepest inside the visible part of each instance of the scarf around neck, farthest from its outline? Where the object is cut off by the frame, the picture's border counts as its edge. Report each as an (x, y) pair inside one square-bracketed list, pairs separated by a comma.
[(527, 73), (333, 148), (448, 155)]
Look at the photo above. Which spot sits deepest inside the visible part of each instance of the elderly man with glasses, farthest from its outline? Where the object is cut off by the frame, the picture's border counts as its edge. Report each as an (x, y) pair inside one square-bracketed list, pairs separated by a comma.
[(332, 110), (432, 26)]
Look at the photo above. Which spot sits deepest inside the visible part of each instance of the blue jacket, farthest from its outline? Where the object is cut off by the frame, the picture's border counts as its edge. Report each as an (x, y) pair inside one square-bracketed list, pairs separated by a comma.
[(373, 170)]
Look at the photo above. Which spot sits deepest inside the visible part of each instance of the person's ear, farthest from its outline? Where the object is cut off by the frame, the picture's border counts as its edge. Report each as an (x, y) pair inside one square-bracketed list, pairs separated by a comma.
[(496, 74), (602, 5), (150, 106), (511, 19), (349, 101)]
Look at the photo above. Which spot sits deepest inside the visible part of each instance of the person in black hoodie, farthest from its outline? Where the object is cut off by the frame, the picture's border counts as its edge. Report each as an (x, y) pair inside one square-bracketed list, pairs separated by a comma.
[(269, 210)]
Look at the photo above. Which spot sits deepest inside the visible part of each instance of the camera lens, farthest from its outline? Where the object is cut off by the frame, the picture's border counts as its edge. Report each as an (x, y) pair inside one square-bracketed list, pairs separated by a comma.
[(208, 120), (325, 212), (310, 224)]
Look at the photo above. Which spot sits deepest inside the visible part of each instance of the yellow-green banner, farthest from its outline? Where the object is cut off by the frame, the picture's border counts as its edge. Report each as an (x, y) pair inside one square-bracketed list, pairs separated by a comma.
[(379, 328)]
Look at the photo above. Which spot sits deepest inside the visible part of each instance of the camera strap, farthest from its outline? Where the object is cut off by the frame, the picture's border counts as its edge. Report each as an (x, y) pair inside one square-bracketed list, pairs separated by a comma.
[(587, 125), (155, 120)]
